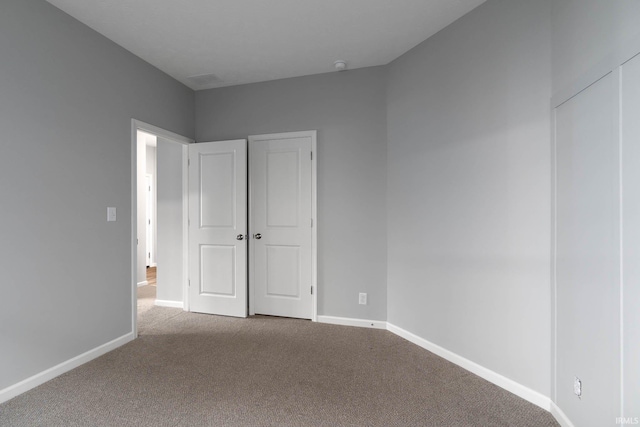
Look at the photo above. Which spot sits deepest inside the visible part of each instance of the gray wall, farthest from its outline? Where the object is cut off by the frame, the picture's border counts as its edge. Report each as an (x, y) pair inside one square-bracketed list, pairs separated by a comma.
[(586, 32), (170, 237), (67, 96), (469, 190), (348, 110), (598, 321)]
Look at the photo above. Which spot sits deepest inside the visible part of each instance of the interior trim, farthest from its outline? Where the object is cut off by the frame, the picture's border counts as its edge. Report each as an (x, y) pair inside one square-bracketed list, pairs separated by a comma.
[(49, 374)]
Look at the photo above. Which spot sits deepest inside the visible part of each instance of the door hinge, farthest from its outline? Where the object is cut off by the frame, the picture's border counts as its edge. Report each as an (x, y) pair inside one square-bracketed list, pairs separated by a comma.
[(311, 222), (312, 155), (311, 290), (188, 162), (189, 283)]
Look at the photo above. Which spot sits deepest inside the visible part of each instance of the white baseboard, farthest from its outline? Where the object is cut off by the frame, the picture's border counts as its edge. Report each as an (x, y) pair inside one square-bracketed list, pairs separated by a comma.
[(560, 416), (346, 321), (44, 376), (145, 283), (518, 389), (172, 304)]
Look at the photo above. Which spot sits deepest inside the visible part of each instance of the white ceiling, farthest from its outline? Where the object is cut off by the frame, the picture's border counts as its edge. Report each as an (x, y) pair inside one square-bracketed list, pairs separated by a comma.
[(245, 41)]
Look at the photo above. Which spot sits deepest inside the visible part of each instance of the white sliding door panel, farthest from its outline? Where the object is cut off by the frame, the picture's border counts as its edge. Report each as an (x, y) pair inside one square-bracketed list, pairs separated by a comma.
[(281, 224), (587, 279), (217, 228), (631, 235)]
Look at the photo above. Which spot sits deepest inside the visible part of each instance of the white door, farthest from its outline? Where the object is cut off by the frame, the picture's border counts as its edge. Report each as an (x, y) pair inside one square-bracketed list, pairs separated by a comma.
[(218, 228), (149, 225), (281, 267)]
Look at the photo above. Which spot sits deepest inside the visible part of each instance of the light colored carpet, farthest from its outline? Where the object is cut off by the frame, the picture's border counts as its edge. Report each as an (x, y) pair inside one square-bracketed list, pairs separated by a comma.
[(146, 298), (190, 369)]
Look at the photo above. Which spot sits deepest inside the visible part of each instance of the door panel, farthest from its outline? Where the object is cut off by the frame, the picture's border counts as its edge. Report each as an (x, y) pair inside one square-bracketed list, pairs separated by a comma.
[(283, 188), (281, 213), (217, 270), (217, 190), (217, 228), (283, 271), (587, 257)]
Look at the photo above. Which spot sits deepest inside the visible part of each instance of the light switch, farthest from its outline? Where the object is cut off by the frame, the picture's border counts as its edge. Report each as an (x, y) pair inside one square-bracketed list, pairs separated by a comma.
[(111, 214)]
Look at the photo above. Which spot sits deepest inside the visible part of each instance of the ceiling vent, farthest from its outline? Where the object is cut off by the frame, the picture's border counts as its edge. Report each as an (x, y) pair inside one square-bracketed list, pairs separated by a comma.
[(205, 80)]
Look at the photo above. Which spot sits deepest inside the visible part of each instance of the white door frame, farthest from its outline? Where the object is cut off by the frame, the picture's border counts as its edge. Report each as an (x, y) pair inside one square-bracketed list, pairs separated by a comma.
[(137, 125), (314, 216), (150, 222)]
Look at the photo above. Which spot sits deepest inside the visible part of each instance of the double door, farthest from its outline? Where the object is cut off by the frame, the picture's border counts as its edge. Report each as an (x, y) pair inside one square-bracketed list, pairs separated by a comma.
[(251, 231)]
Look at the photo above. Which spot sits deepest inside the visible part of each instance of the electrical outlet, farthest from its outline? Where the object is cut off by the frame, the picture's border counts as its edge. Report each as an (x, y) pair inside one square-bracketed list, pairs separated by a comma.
[(362, 299), (577, 386)]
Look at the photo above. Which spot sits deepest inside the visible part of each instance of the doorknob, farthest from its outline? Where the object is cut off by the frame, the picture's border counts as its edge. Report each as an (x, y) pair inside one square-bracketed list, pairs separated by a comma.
[(240, 237), (257, 236)]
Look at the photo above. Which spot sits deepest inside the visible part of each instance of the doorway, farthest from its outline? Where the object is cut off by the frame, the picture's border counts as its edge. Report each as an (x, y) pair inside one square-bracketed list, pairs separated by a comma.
[(168, 216), (146, 241)]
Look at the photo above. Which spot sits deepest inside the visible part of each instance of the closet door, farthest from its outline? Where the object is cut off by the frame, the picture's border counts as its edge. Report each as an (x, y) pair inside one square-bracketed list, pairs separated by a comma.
[(218, 228), (587, 251), (281, 224)]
